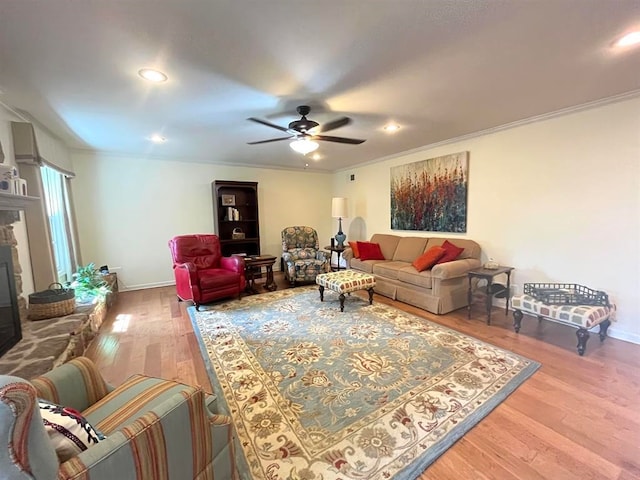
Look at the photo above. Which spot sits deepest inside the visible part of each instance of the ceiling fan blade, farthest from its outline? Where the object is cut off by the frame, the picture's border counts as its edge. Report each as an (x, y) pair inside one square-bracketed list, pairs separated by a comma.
[(329, 138), (268, 124), (270, 140), (340, 122)]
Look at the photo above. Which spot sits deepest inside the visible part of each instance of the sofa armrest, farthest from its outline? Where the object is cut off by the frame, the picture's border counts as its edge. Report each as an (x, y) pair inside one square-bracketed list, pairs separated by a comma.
[(457, 268), (158, 442), (347, 254), (77, 384)]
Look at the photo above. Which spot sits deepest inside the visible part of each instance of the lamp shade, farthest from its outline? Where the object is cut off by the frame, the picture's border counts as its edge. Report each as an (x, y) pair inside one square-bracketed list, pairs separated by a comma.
[(304, 146), (339, 207)]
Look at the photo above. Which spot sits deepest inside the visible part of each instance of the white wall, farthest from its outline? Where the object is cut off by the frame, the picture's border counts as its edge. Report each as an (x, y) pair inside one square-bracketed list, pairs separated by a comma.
[(19, 228), (557, 199), (128, 208)]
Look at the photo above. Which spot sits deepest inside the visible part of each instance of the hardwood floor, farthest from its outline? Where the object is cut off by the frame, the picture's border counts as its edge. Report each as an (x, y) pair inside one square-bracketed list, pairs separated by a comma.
[(575, 418)]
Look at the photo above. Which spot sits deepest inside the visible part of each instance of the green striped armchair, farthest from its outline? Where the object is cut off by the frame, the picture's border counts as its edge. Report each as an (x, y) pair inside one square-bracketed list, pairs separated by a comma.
[(155, 429)]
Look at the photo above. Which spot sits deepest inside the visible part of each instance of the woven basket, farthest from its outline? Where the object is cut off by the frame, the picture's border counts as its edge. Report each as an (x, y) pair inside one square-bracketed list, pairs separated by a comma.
[(51, 303)]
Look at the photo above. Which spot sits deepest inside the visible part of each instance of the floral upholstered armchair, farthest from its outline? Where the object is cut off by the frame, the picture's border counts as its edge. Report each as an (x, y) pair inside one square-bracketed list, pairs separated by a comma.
[(301, 255)]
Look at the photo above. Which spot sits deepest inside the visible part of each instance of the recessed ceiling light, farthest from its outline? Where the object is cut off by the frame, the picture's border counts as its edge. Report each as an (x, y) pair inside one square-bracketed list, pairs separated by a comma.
[(316, 156), (629, 39), (391, 127), (156, 138), (152, 75)]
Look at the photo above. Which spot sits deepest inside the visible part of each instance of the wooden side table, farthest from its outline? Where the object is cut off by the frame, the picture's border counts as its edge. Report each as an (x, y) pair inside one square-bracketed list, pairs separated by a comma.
[(339, 251), (254, 264), (492, 289)]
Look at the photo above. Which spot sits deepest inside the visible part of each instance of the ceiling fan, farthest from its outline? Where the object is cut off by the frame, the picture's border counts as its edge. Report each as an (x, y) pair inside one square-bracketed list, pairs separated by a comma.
[(305, 131)]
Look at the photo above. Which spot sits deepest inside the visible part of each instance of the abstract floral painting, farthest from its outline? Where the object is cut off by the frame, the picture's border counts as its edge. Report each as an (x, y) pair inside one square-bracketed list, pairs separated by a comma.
[(431, 195)]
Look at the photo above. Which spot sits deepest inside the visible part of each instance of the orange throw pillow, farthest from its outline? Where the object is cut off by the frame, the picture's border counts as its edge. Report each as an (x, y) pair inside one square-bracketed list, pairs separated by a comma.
[(354, 249), (429, 258)]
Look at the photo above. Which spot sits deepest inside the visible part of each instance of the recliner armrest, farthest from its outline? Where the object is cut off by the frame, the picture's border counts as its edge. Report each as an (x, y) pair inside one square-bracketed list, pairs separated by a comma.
[(233, 263), (188, 269), (287, 257), (323, 255)]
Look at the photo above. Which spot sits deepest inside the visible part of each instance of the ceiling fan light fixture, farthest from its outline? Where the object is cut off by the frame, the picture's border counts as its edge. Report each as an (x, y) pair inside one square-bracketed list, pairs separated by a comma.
[(304, 146), (152, 75), (632, 38)]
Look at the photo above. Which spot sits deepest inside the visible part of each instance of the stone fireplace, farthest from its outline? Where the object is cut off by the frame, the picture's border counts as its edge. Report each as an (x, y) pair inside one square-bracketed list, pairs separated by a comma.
[(7, 237), (46, 343)]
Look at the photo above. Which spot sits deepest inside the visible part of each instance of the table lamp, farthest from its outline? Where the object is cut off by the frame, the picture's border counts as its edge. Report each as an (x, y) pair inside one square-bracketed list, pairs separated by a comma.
[(339, 211)]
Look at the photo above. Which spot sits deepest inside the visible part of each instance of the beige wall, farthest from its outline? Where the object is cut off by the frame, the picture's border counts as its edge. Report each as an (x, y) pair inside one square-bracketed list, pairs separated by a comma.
[(128, 208), (557, 199)]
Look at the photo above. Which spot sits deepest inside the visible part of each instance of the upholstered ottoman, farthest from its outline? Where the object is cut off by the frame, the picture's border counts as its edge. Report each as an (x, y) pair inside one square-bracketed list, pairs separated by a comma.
[(583, 317), (346, 281)]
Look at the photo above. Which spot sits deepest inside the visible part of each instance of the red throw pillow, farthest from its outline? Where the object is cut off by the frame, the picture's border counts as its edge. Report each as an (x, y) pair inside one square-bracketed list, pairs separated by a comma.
[(354, 249), (451, 252), (429, 258), (370, 251)]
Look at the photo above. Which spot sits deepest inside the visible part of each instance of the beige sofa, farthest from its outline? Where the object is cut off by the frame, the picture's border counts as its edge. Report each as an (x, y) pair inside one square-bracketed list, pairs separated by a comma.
[(439, 290)]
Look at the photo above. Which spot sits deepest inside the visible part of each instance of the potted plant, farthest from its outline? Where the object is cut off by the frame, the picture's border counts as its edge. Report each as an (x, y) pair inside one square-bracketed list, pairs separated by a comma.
[(89, 283)]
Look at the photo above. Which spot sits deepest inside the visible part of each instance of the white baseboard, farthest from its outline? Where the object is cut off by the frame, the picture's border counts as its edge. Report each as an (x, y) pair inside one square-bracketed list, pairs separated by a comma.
[(623, 335), (142, 286)]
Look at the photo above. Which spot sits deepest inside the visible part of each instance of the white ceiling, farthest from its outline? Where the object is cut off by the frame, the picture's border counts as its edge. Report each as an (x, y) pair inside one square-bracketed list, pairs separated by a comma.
[(440, 68)]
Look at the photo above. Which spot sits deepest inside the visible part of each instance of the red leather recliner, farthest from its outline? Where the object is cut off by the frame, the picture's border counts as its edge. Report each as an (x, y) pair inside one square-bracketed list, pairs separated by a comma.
[(202, 273)]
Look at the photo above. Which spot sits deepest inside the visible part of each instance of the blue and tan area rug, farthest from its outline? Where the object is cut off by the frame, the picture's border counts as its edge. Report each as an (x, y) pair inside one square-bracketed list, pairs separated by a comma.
[(371, 393)]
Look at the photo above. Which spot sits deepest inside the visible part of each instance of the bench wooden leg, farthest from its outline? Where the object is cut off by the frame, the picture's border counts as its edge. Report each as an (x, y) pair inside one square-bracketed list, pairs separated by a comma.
[(583, 336), (603, 329), (370, 296), (321, 288), (517, 319), (342, 302)]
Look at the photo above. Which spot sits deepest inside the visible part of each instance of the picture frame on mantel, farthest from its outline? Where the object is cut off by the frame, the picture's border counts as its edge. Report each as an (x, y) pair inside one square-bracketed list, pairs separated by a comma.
[(228, 200)]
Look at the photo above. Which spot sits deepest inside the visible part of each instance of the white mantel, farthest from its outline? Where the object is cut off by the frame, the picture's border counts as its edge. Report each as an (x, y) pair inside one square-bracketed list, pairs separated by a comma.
[(9, 201)]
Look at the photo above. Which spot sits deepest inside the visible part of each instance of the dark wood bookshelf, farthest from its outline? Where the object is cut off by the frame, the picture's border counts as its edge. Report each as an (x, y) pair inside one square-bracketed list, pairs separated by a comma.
[(241, 198)]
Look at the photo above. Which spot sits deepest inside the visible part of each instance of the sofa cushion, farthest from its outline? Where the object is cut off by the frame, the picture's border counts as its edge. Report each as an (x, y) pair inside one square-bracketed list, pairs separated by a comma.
[(429, 258), (370, 251), (413, 277), (216, 278), (365, 266), (389, 269), (451, 252), (410, 248), (388, 243)]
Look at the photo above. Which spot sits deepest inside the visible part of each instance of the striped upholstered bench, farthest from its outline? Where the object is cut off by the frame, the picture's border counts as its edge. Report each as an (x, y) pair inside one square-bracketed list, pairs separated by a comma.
[(583, 317), (346, 281)]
